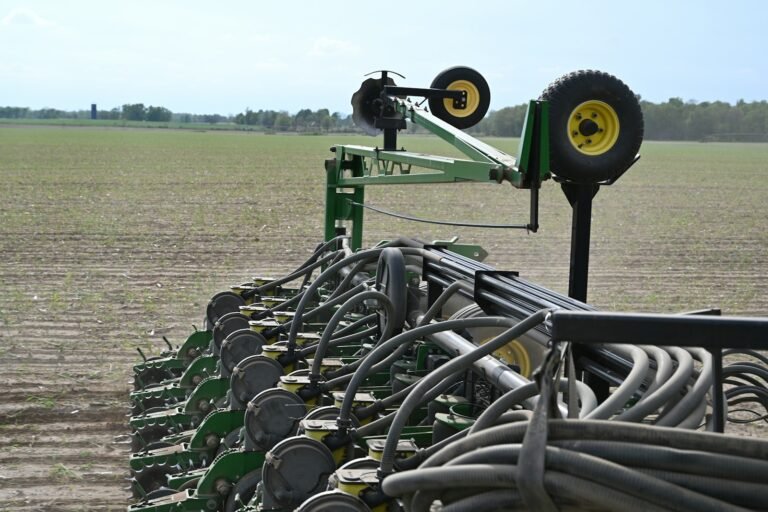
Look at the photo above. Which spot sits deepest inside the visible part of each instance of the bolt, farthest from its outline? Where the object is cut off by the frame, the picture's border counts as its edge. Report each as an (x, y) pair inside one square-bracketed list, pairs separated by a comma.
[(589, 141), (578, 116), (594, 115), (574, 133), (600, 130), (222, 486)]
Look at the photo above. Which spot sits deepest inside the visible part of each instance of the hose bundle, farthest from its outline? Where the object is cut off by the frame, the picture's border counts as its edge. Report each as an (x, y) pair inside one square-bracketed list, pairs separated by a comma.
[(594, 465)]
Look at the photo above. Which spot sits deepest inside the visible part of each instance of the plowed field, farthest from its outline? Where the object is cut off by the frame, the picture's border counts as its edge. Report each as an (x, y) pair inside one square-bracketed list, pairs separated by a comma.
[(110, 239)]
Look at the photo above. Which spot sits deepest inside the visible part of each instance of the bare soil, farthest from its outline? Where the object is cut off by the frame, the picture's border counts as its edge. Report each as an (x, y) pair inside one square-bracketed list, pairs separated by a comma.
[(111, 239)]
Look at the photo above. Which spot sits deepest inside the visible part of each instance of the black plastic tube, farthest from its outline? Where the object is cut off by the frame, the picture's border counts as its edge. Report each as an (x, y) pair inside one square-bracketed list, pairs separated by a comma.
[(566, 430), (339, 315), (344, 374), (370, 254), (489, 501), (298, 273), (391, 344), (694, 462), (489, 416), (625, 480), (442, 299), (455, 365), (356, 325)]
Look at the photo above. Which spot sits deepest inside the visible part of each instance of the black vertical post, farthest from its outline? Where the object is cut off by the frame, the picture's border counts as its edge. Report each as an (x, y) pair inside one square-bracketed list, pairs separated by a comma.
[(390, 139), (93, 111), (718, 404), (580, 196)]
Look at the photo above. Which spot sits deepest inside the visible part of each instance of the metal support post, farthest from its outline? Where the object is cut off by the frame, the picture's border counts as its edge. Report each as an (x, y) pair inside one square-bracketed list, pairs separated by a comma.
[(580, 197)]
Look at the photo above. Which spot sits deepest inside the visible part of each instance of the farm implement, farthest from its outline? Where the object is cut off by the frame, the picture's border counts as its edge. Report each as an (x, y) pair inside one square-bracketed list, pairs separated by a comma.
[(412, 376)]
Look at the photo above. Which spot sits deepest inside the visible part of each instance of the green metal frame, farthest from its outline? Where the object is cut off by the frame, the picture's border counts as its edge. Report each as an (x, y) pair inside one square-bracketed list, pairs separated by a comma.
[(354, 166)]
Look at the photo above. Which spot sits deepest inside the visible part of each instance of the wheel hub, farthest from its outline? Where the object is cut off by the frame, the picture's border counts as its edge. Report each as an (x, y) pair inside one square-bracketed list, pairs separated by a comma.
[(593, 127)]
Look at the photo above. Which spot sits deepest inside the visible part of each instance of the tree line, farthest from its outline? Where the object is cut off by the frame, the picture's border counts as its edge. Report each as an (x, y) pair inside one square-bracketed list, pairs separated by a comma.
[(671, 120), (674, 119)]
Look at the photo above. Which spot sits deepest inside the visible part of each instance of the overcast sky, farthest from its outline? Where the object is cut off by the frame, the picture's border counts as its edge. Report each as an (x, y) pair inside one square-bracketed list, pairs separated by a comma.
[(224, 56)]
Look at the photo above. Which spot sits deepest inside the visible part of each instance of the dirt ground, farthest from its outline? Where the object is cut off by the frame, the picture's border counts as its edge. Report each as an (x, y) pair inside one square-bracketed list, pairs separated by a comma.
[(110, 239)]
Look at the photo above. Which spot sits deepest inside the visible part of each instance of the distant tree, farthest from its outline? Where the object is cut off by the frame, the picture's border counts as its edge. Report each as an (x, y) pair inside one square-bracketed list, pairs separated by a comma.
[(14, 112), (267, 118), (213, 118), (323, 119), (52, 113), (303, 119), (326, 123), (158, 114), (134, 112), (283, 122)]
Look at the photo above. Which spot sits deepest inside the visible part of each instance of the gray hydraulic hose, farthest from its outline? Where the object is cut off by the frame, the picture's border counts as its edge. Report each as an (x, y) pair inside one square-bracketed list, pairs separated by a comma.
[(664, 367), (695, 396), (336, 341), (744, 494), (629, 387), (328, 304), (696, 417), (407, 337), (442, 299), (349, 277), (339, 315), (566, 430), (515, 396), (505, 499), (453, 366), (504, 476), (344, 374), (356, 324), (716, 465), (664, 393), (331, 271), (298, 273), (611, 475)]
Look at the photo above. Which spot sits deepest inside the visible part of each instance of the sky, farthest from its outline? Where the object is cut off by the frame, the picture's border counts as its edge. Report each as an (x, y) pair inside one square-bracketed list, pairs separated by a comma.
[(226, 56)]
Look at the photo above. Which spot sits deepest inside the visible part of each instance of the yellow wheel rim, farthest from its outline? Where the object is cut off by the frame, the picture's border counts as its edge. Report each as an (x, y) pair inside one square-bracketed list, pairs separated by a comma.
[(473, 98), (593, 127), (513, 353)]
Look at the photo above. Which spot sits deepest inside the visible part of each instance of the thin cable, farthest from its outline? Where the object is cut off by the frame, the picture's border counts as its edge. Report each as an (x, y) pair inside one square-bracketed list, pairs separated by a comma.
[(440, 222)]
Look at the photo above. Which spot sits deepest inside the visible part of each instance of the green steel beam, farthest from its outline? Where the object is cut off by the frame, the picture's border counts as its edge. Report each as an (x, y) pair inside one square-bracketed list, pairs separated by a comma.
[(355, 166)]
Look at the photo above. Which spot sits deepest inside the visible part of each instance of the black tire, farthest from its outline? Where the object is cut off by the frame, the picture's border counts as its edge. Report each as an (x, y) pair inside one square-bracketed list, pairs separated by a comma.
[(237, 346), (391, 280), (478, 100), (149, 479), (571, 157), (226, 325), (221, 304), (151, 376), (147, 436), (243, 491)]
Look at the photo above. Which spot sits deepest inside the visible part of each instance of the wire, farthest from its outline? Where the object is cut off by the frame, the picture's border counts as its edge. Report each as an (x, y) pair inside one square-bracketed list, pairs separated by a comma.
[(440, 222)]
